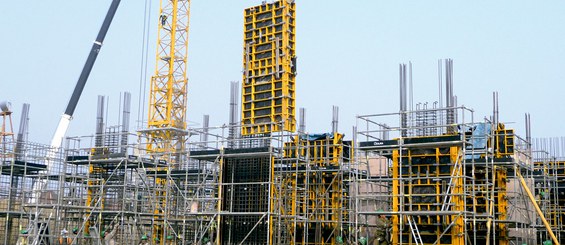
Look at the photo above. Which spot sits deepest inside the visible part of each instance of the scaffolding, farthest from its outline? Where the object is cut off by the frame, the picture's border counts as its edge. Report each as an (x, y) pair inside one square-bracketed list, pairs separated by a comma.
[(20, 162), (433, 175), (285, 188), (292, 188), (111, 190), (441, 182), (549, 175), (317, 179)]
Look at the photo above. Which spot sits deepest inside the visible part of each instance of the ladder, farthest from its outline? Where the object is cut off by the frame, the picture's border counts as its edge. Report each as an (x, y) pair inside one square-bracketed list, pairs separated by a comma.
[(414, 230)]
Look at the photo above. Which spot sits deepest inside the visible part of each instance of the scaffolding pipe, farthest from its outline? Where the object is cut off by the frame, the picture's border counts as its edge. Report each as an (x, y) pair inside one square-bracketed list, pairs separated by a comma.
[(538, 210)]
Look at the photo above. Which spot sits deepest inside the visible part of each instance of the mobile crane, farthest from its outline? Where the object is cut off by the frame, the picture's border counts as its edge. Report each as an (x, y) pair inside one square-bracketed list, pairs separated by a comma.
[(67, 116)]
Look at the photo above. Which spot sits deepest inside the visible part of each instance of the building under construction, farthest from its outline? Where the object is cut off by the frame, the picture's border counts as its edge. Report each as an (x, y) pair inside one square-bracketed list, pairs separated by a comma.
[(423, 173)]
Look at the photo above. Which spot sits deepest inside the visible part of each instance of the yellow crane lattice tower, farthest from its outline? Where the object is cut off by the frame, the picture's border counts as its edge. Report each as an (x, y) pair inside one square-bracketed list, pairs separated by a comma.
[(167, 101), (168, 95)]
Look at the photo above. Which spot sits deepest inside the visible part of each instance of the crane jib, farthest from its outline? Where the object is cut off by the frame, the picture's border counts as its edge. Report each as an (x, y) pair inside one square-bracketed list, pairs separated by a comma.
[(79, 87)]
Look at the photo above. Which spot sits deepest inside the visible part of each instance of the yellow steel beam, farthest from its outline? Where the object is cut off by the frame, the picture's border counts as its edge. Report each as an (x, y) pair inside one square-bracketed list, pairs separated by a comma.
[(538, 210)]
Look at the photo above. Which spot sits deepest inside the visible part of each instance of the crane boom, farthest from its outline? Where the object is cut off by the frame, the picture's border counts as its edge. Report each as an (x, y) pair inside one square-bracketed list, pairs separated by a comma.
[(87, 68)]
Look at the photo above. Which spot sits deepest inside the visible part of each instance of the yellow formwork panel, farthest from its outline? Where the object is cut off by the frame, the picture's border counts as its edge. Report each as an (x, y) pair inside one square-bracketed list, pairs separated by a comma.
[(324, 152), (504, 141), (323, 201), (269, 68), (94, 194), (411, 193)]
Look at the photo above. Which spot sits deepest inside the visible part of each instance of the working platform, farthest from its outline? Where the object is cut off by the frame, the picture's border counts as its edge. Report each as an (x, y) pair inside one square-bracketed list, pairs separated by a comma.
[(211, 155), (21, 168), (129, 161)]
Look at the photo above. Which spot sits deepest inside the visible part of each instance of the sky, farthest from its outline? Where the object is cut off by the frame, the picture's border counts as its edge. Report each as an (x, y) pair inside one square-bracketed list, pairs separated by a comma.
[(348, 55)]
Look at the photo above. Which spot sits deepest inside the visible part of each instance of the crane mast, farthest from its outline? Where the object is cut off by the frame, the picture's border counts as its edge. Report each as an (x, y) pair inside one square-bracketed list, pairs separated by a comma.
[(167, 96), (167, 100)]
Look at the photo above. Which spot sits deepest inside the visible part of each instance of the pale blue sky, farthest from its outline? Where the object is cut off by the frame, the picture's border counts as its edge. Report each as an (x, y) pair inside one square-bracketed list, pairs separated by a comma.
[(348, 56)]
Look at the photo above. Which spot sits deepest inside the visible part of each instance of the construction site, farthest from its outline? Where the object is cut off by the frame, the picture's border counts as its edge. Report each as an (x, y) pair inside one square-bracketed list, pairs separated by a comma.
[(422, 173)]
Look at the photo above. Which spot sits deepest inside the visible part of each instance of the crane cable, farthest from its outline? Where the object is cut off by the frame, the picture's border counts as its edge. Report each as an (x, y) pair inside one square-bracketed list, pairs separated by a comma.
[(143, 64)]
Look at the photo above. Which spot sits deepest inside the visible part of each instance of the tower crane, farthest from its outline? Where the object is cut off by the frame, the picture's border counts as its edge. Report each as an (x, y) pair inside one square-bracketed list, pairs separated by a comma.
[(166, 133)]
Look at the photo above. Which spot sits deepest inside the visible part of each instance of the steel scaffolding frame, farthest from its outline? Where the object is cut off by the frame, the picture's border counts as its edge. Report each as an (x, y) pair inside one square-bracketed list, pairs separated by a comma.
[(289, 166), (549, 176), (465, 166), (97, 186), (16, 169), (102, 188)]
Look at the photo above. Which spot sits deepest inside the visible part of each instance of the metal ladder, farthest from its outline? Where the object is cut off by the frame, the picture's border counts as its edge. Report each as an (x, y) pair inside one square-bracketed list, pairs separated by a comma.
[(414, 230)]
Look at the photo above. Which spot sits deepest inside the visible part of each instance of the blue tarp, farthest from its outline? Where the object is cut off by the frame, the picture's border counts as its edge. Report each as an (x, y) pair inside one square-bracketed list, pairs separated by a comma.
[(312, 137), (480, 132), (480, 135)]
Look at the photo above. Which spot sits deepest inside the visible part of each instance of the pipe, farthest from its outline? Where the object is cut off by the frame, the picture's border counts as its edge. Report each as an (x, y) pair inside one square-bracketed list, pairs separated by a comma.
[(403, 98), (335, 118), (99, 124), (440, 83), (411, 87), (302, 124), (205, 128), (22, 131), (449, 97), (495, 109), (125, 121), (234, 97)]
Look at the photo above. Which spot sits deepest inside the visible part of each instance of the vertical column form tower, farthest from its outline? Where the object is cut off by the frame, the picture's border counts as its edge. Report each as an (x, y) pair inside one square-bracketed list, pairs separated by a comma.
[(269, 68)]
